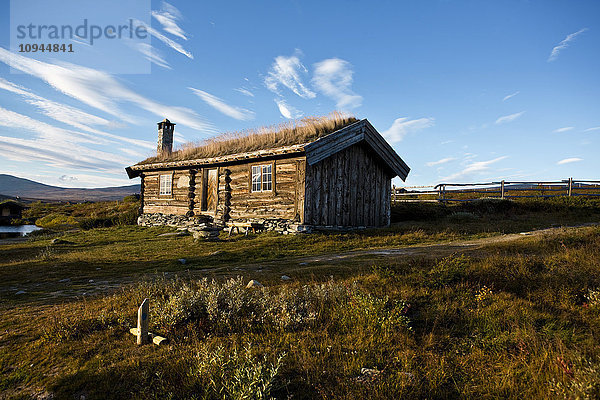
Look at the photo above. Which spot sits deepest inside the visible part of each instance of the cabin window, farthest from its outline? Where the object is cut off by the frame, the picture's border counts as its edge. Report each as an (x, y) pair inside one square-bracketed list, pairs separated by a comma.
[(166, 185), (262, 178)]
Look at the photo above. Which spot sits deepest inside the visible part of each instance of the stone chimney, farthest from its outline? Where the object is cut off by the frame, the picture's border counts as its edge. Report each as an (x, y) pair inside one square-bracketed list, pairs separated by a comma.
[(165, 137)]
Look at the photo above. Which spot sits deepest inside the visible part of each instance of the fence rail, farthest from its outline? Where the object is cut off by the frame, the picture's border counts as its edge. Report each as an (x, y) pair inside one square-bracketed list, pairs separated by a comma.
[(448, 192)]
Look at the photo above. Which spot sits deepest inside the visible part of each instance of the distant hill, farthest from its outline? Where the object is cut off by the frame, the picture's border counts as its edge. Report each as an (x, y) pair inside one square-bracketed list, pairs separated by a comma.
[(11, 186)]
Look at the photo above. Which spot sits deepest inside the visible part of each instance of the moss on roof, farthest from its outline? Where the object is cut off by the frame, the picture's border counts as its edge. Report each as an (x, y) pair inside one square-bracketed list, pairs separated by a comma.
[(300, 131)]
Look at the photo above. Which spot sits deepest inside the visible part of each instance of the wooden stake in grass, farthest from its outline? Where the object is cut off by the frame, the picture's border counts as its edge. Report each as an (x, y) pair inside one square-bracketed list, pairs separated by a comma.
[(142, 325)]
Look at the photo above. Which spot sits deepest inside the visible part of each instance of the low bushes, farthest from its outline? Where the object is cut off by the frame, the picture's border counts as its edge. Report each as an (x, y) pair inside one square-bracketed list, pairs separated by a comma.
[(87, 215)]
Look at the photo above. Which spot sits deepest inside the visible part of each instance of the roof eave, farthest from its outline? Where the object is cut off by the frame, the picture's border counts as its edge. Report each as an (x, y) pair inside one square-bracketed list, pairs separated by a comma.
[(361, 131), (135, 170)]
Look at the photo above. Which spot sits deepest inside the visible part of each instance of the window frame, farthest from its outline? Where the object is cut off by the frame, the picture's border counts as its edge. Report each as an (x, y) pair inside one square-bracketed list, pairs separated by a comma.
[(160, 185), (271, 174)]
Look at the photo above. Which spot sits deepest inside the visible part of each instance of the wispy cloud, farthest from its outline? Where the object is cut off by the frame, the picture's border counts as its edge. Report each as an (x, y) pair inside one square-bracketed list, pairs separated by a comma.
[(596, 128), (245, 92), (564, 129), (167, 41), (18, 122), (234, 112), (52, 145), (333, 77), (403, 126), (511, 95), (100, 90), (153, 55), (286, 110), (569, 160), (564, 44), (287, 72), (474, 168), (440, 162), (509, 118), (168, 16)]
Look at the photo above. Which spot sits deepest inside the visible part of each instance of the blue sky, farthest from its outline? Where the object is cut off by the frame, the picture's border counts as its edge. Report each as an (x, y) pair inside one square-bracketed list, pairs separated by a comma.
[(465, 91)]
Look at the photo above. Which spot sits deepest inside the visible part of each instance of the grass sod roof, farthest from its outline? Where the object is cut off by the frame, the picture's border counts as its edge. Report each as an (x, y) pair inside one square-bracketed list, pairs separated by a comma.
[(13, 203), (291, 133)]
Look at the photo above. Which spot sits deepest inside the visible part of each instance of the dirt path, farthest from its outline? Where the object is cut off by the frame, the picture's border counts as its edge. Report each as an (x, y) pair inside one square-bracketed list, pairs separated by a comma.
[(273, 269), (434, 249)]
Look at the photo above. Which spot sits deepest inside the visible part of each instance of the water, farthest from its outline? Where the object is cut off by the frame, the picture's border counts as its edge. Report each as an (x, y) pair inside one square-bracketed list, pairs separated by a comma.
[(11, 231)]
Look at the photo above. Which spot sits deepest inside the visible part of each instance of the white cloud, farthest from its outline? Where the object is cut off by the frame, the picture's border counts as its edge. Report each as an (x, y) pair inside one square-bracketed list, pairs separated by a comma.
[(564, 44), (511, 95), (60, 154), (17, 122), (509, 118), (219, 105), (245, 92), (474, 168), (440, 162), (67, 178), (596, 128), (100, 90), (69, 115), (333, 77), (403, 126), (286, 110), (153, 55), (167, 41), (569, 160), (287, 71), (564, 129), (168, 17)]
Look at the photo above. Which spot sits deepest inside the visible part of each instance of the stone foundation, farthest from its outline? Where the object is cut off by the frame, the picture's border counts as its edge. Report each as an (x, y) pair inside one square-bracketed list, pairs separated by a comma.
[(205, 223), (283, 226), (175, 221)]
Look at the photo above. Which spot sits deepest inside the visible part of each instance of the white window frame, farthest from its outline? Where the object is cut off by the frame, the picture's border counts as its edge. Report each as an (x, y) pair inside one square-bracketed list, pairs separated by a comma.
[(165, 183), (262, 178)]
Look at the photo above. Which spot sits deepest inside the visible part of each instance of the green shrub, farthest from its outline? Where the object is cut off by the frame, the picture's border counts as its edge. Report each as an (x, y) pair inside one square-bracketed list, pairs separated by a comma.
[(488, 206), (461, 217), (56, 220), (237, 375), (447, 271), (231, 307), (370, 313), (418, 211)]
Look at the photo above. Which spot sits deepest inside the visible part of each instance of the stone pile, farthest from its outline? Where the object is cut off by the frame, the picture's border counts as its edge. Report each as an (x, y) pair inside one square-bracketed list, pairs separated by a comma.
[(176, 221), (283, 226)]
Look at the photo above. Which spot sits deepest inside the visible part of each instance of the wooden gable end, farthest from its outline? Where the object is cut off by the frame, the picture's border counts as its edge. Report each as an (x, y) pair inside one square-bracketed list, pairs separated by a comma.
[(361, 131)]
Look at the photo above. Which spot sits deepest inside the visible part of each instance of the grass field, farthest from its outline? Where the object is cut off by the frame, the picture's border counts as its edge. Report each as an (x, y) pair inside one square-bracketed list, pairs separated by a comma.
[(440, 305)]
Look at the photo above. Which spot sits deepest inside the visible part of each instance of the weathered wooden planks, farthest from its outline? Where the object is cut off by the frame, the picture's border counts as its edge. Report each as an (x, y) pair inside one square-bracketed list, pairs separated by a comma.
[(349, 188)]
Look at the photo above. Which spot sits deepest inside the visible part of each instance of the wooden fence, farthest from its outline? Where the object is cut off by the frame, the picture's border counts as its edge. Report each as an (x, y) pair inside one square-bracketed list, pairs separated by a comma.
[(448, 192)]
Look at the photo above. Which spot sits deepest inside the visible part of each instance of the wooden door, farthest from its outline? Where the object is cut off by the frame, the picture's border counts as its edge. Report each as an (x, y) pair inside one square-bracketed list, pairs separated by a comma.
[(211, 190), (300, 187)]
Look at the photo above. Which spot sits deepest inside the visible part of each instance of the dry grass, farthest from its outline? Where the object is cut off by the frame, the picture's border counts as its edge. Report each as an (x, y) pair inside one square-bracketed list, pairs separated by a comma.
[(285, 134)]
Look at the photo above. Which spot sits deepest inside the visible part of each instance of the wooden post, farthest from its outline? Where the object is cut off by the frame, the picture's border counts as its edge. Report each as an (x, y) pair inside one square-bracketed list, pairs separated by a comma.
[(142, 327), (444, 194), (570, 186), (502, 189)]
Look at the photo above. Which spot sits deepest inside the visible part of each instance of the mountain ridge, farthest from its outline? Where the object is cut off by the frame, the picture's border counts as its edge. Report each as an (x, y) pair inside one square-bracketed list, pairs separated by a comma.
[(27, 189)]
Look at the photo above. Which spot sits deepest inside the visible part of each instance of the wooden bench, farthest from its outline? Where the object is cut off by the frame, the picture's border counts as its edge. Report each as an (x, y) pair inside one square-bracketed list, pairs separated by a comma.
[(247, 226)]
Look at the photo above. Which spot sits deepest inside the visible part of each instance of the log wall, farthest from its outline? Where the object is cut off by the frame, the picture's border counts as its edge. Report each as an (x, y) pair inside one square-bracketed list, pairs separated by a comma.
[(281, 202), (234, 196), (349, 188), (177, 203)]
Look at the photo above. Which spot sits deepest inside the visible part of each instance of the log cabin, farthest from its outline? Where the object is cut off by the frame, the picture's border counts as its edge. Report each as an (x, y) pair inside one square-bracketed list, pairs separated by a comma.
[(10, 210), (339, 176)]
